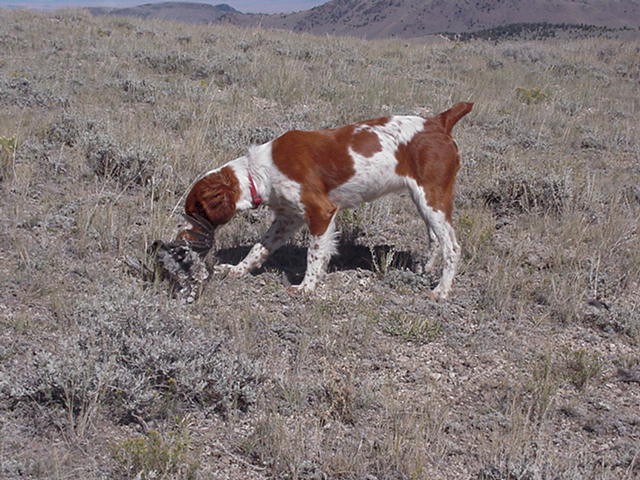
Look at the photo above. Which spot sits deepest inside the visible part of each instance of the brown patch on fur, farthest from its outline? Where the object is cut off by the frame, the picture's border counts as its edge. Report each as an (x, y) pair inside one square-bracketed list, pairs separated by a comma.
[(375, 122), (319, 161), (213, 198), (320, 210), (431, 158), (366, 143)]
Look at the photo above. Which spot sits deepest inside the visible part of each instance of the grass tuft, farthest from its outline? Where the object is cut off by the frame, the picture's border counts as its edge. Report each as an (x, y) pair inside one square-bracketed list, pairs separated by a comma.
[(158, 455)]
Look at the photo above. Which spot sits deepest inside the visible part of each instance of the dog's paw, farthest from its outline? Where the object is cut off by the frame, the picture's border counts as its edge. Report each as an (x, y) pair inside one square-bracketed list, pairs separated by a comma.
[(222, 268), (438, 294), (297, 290), (228, 270)]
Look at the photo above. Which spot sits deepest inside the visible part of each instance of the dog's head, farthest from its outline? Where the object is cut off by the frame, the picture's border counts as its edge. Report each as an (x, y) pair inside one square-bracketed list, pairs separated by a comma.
[(211, 202)]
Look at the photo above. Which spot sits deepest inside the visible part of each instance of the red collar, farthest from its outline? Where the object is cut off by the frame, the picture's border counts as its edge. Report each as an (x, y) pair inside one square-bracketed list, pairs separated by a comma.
[(256, 200)]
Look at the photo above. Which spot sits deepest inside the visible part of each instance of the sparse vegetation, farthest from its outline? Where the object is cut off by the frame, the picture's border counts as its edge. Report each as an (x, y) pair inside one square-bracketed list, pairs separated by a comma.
[(412, 327), (156, 455), (530, 371), (532, 96), (583, 367), (539, 31), (8, 146)]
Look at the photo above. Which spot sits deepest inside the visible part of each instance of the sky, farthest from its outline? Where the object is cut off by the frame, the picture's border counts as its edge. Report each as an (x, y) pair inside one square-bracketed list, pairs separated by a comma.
[(264, 6)]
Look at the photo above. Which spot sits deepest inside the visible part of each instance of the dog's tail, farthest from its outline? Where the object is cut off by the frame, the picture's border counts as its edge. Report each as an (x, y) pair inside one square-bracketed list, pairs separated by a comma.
[(455, 113)]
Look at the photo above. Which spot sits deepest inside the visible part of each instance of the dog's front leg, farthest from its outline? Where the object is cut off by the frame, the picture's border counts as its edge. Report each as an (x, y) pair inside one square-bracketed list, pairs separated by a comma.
[(321, 247), (251, 261), (282, 228)]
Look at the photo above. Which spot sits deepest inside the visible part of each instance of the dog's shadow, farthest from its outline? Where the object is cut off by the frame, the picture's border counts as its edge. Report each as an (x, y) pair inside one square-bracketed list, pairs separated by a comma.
[(292, 260)]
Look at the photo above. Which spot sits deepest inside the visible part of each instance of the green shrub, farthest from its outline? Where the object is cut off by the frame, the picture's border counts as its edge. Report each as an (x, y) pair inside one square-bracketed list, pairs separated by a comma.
[(532, 96), (157, 455)]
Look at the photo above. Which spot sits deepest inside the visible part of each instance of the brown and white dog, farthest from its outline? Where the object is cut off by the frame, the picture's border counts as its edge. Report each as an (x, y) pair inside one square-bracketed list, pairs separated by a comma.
[(308, 176)]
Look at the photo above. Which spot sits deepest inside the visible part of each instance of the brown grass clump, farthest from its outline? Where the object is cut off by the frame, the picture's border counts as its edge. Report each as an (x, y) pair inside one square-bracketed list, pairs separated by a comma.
[(530, 371)]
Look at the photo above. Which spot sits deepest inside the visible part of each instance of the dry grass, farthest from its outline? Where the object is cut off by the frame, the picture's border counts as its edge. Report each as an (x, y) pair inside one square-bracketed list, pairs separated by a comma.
[(530, 371)]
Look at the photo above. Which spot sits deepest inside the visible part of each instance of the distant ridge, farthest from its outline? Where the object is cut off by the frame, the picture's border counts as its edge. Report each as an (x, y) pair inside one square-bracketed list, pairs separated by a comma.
[(416, 18), (187, 12)]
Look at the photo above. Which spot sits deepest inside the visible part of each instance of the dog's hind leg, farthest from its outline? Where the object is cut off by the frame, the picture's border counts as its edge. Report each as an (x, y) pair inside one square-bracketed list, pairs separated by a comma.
[(439, 225), (433, 251)]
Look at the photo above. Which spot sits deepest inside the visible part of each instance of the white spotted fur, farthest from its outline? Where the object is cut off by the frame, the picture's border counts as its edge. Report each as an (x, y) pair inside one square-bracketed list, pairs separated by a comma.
[(374, 177)]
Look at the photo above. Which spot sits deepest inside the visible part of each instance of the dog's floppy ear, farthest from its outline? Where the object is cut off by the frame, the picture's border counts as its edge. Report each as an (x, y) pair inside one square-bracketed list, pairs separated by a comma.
[(217, 204), (214, 197)]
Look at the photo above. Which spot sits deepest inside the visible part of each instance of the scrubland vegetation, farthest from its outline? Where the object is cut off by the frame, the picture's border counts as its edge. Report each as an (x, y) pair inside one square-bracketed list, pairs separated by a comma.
[(530, 371)]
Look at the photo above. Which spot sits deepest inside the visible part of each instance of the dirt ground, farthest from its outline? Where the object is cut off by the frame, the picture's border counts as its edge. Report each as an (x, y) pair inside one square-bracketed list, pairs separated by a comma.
[(530, 371)]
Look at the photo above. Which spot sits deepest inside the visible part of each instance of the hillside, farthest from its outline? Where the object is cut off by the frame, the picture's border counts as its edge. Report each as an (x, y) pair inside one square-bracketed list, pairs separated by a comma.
[(416, 18), (188, 12), (411, 18), (530, 371)]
